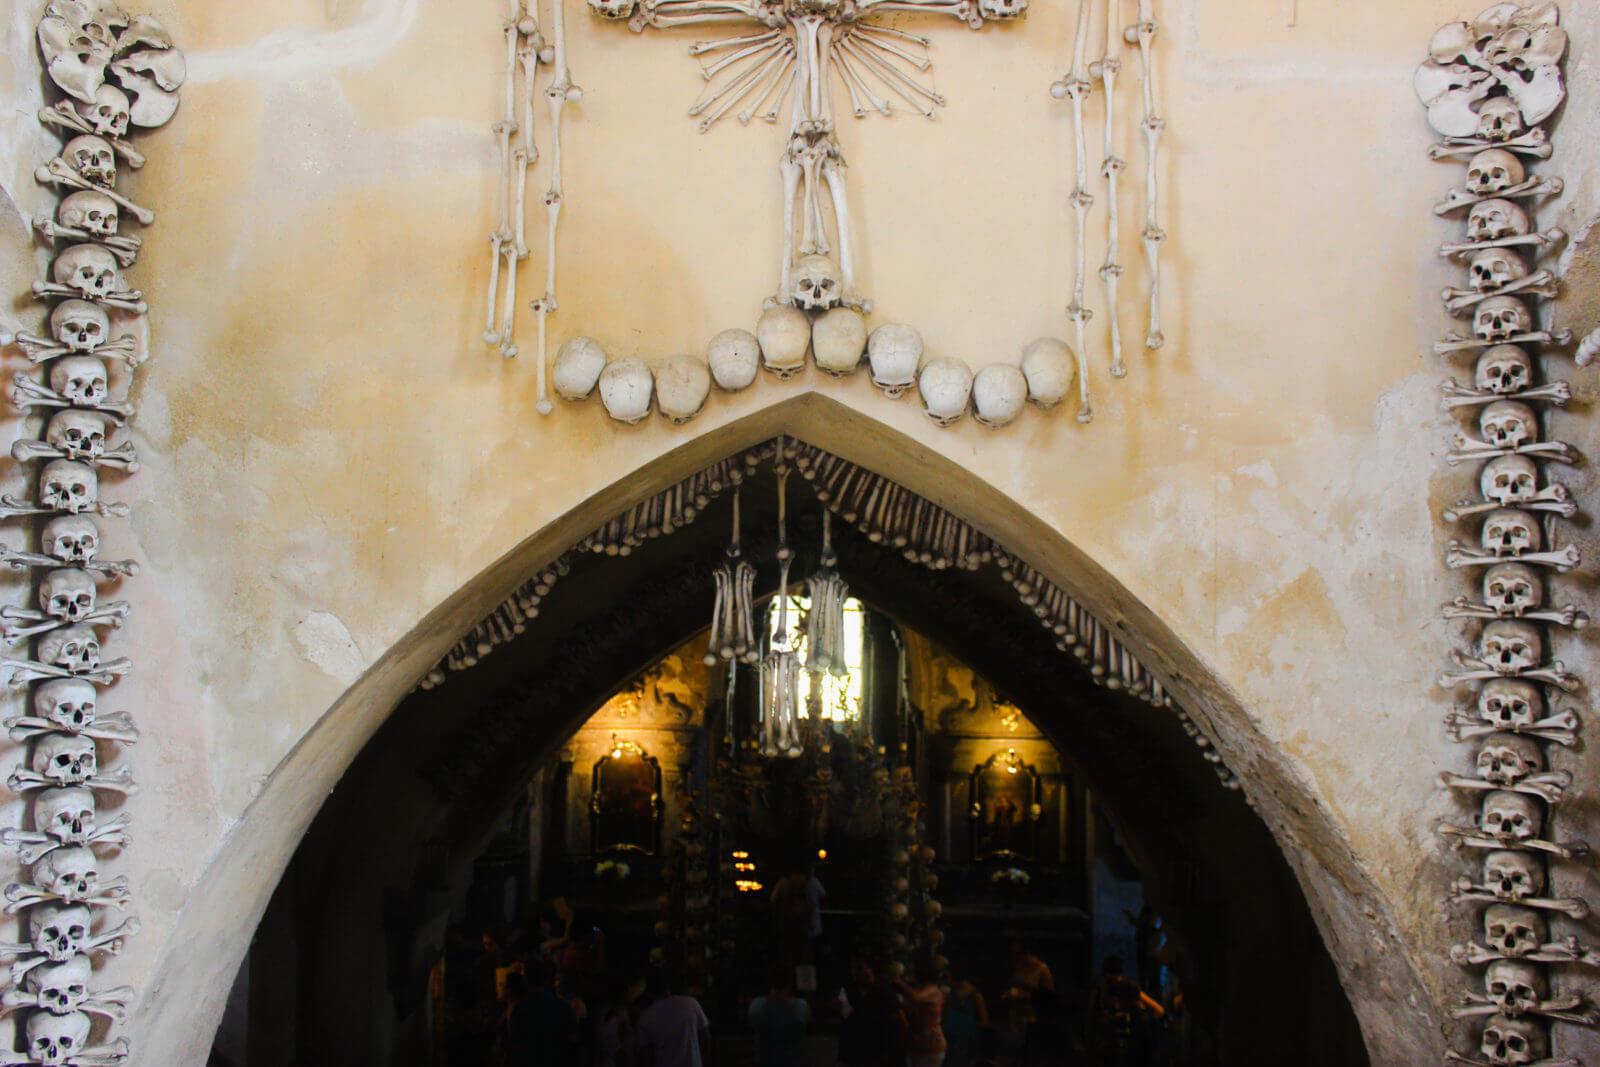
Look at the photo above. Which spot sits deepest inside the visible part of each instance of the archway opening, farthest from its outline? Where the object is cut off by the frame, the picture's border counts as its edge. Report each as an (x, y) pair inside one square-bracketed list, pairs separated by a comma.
[(341, 965)]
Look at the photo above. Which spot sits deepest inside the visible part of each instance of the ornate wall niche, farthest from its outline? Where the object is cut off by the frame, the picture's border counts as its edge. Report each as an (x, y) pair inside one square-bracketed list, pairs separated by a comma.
[(625, 807), (1006, 809)]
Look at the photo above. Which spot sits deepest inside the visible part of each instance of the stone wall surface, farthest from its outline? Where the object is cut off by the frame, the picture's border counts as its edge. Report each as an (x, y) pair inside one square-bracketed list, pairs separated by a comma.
[(340, 477)]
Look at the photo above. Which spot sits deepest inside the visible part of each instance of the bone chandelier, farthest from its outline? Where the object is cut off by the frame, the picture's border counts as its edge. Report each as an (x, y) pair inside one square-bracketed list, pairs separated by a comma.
[(794, 58)]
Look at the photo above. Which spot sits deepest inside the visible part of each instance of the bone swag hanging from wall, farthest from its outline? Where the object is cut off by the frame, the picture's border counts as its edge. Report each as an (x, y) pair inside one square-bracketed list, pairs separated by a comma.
[(784, 61), (120, 74), (1488, 85)]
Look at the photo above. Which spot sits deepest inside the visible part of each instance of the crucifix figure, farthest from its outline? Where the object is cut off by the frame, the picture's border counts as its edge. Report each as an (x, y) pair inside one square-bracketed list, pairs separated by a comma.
[(797, 48)]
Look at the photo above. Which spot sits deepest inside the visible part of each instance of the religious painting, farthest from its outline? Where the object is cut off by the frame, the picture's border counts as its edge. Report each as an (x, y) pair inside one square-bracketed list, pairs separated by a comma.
[(1005, 808), (626, 807)]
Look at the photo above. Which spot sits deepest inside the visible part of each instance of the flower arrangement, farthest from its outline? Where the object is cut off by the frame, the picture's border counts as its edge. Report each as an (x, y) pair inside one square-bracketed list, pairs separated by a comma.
[(1013, 875)]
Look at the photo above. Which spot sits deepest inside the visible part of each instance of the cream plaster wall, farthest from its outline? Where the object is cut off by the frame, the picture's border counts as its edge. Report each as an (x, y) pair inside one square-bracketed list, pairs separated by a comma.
[(331, 454)]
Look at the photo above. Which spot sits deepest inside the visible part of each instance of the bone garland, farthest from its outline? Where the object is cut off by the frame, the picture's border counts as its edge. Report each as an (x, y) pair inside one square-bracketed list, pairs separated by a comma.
[(825, 621), (1076, 88), (1106, 69), (1144, 33), (780, 668), (1487, 85), (557, 94), (507, 244)]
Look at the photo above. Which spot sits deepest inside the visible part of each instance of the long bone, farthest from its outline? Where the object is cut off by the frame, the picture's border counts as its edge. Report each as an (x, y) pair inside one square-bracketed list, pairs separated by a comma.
[(1456, 1057), (1476, 670), (111, 1003), (112, 569), (112, 1055), (108, 614), (1143, 33), (116, 726), (1567, 1009), (1462, 608), (1567, 950), (1552, 498), (1456, 199), (12, 507), (1541, 240), (1076, 88), (19, 672), (1559, 729), (31, 394), (1469, 449), (1574, 908), (33, 845), (123, 456), (23, 779), (43, 349), (1541, 283), (123, 300), (61, 931), (1457, 395), (1535, 143), (1548, 786), (112, 894), (59, 172), (63, 114), (1458, 554), (1453, 343), (557, 93), (1474, 837), (125, 248), (1106, 69)]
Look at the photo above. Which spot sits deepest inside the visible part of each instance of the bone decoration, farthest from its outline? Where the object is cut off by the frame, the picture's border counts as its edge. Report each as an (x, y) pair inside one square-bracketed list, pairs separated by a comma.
[(120, 75), (1488, 86)]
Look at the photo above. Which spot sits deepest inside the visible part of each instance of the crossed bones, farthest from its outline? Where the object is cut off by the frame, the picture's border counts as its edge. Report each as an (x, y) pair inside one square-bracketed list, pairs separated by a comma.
[(59, 172), (1574, 908), (111, 614), (43, 349), (125, 248), (33, 845), (31, 394), (1477, 670), (1460, 554), (1456, 199)]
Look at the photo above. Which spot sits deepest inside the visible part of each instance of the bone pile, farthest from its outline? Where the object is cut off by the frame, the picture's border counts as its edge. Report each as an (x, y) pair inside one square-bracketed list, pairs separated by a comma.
[(1488, 85), (1077, 87), (119, 75)]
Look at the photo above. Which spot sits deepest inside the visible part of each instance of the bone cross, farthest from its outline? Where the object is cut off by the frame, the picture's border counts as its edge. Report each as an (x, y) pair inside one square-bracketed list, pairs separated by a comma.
[(797, 51)]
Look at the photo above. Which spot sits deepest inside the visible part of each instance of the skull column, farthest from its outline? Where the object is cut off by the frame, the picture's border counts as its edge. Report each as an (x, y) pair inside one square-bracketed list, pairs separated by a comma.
[(118, 74), (1487, 86)]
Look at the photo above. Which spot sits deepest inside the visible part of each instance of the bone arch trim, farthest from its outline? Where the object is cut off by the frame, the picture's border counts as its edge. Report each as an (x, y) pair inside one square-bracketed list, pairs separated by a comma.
[(887, 513)]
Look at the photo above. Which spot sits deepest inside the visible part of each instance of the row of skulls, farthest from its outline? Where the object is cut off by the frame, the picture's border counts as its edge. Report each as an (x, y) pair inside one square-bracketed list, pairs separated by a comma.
[(837, 340), (119, 74), (1487, 85)]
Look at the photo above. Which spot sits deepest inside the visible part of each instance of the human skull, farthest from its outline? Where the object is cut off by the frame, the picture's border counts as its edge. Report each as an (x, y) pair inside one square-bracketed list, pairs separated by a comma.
[(998, 393), (1508, 424), (625, 388), (1490, 220), (74, 647), (1509, 480), (1509, 532), (66, 702), (1513, 1041), (1499, 119), (682, 384), (66, 759), (735, 357), (1500, 318), (66, 814), (81, 379), (946, 387), (71, 538), (1049, 367), (1513, 589), (67, 593), (1516, 987), (1510, 646), (59, 931), (91, 211), (1513, 876), (838, 340), (784, 334), (1492, 268), (894, 352), (1509, 816), (92, 157), (54, 1040), (108, 114), (80, 325), (62, 988), (577, 368), (69, 486), (87, 269), (612, 9), (1504, 369), (1506, 759), (816, 285), (78, 434), (1002, 9), (1509, 703), (77, 39), (71, 873), (1493, 171)]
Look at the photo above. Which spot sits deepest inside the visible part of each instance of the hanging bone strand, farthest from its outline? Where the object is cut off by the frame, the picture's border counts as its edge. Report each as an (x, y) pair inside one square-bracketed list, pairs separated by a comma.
[(1106, 69), (558, 93), (1075, 87), (500, 238), (1143, 34), (523, 156), (825, 623)]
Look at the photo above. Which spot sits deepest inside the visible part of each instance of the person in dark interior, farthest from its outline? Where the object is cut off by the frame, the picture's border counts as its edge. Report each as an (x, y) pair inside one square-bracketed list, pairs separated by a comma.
[(673, 1030), (542, 1030), (779, 1020), (872, 1033), (1121, 1020)]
